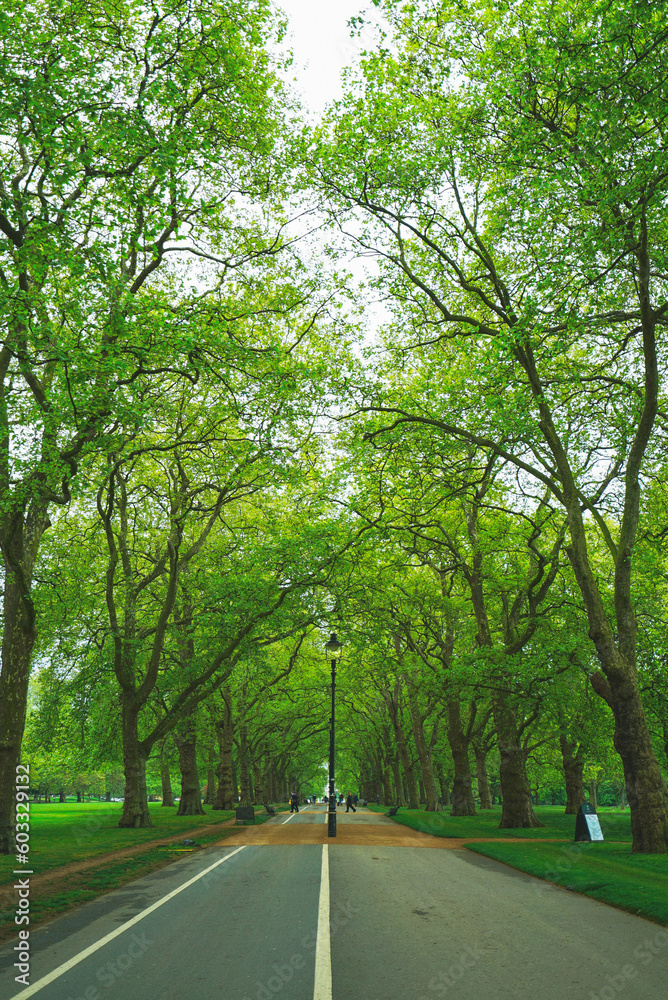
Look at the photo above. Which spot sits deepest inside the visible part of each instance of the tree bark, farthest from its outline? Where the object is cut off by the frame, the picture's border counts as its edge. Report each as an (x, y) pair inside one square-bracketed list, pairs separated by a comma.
[(20, 545), (573, 767), (387, 784), (443, 785), (210, 790), (517, 810), (481, 775), (245, 789), (135, 802), (398, 784), (185, 737), (593, 801), (166, 781), (257, 783), (226, 794), (463, 803), (411, 792), (645, 787), (427, 784)]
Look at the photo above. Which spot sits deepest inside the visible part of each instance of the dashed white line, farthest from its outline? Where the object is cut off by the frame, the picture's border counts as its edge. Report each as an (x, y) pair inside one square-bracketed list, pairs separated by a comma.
[(291, 815)]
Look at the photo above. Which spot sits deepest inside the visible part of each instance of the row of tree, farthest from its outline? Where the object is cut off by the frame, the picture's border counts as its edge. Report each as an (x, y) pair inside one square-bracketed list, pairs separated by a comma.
[(201, 473)]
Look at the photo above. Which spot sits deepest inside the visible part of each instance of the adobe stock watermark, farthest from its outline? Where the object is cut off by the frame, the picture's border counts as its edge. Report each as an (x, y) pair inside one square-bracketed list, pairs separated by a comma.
[(449, 978), (114, 969), (340, 915), (87, 828), (552, 875), (644, 954)]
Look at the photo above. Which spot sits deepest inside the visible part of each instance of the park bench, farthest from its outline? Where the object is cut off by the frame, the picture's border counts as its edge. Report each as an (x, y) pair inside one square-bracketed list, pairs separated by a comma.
[(270, 810), (393, 811)]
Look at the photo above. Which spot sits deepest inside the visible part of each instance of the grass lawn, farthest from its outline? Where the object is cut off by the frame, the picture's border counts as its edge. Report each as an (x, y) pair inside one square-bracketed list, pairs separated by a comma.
[(64, 833), (616, 825), (607, 872)]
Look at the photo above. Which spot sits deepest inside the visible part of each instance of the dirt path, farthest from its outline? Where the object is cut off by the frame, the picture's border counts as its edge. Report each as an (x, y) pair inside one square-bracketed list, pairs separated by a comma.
[(364, 835)]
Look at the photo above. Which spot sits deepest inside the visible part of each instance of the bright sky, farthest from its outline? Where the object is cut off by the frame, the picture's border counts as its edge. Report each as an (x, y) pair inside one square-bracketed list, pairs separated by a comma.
[(322, 46)]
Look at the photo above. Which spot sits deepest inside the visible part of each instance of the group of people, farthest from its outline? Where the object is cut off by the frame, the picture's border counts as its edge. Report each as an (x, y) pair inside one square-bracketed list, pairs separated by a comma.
[(351, 801)]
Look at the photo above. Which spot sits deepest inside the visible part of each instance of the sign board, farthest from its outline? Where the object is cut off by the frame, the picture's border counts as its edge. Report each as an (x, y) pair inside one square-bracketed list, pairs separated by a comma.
[(587, 826), (595, 832)]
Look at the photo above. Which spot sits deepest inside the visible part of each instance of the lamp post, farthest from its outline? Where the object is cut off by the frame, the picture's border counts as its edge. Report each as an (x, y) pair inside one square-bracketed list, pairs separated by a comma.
[(332, 647)]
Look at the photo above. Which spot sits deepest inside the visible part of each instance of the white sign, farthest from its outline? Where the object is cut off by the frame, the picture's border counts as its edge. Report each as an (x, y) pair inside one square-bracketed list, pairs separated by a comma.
[(594, 827)]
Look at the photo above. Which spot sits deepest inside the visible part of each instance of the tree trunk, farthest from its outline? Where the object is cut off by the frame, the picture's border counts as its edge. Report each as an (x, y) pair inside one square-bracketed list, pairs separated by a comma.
[(257, 783), (166, 781), (427, 783), (573, 768), (226, 793), (210, 791), (463, 803), (185, 737), (376, 779), (135, 803), (244, 768), (517, 810), (593, 802), (481, 775), (645, 787), (442, 784), (411, 792), (615, 640), (387, 784), (268, 782), (235, 780), (398, 784), (19, 634)]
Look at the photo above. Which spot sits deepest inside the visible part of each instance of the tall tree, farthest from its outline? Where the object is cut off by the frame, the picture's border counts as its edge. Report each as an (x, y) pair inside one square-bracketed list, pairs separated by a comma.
[(127, 129), (523, 245)]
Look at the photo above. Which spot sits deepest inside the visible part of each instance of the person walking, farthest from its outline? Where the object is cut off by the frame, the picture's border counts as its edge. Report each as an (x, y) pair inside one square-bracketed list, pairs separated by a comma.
[(349, 803), (294, 803)]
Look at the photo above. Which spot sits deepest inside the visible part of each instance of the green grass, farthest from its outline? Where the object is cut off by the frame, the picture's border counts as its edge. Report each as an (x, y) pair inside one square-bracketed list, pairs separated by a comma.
[(607, 872), (616, 825), (62, 833)]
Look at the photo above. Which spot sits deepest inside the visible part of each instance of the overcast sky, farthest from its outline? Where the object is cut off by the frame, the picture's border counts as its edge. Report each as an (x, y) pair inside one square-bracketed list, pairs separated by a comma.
[(322, 46)]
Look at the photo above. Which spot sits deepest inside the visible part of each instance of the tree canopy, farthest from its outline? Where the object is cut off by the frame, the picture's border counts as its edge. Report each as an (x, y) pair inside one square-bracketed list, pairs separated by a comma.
[(217, 445)]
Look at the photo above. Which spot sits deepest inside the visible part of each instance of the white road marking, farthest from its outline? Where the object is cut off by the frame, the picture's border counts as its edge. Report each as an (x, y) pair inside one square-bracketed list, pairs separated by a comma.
[(291, 815), (322, 989), (66, 966)]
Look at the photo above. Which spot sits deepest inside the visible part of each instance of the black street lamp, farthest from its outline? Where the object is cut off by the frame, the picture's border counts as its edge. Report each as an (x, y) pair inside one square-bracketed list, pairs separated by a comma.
[(332, 647)]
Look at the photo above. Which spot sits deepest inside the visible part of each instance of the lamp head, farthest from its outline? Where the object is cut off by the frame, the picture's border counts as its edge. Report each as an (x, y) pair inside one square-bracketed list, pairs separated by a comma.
[(333, 646)]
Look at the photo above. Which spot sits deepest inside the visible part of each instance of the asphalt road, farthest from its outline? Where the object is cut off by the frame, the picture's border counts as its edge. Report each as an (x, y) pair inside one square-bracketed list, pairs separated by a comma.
[(405, 923)]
